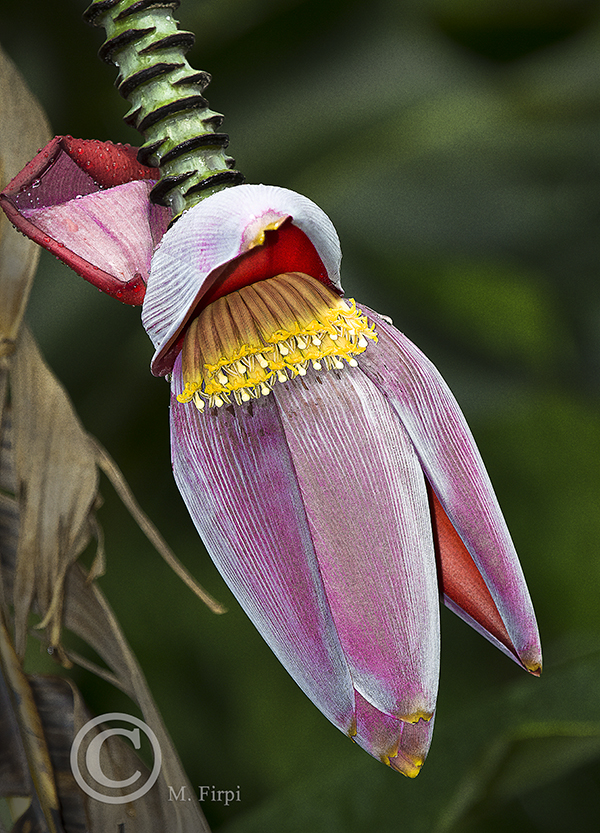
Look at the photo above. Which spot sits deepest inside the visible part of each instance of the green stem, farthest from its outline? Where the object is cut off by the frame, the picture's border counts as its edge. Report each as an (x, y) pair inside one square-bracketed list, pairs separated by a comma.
[(166, 97)]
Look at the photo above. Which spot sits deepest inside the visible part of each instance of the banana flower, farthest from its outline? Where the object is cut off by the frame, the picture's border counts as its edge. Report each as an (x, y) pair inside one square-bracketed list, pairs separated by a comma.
[(323, 459)]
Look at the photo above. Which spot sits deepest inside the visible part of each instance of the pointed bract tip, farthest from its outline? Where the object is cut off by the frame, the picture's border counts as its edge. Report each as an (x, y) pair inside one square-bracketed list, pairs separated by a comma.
[(415, 717), (405, 764), (531, 660)]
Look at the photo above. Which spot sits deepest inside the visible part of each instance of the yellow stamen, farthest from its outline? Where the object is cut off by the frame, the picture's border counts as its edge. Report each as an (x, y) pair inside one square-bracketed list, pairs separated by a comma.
[(268, 332)]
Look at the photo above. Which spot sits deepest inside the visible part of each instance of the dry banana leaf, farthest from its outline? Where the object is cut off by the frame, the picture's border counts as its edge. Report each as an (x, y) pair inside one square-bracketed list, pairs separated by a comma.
[(87, 614), (23, 130), (57, 487)]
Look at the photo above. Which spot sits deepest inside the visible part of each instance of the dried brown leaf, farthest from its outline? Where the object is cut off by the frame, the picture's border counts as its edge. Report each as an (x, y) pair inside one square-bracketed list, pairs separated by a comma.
[(23, 130), (57, 485), (63, 714), (86, 613), (9, 513), (14, 775), (29, 741), (60, 713)]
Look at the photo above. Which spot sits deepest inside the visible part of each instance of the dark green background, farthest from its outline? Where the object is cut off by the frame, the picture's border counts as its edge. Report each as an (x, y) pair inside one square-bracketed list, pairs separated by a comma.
[(456, 146)]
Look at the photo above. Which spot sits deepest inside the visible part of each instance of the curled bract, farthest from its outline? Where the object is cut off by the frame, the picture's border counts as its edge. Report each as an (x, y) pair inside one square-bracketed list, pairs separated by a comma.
[(233, 238), (88, 203)]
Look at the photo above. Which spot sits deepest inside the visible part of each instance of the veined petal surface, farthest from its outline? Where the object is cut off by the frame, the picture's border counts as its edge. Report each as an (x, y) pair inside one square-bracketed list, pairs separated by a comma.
[(114, 231), (312, 503), (212, 234), (235, 473), (455, 470), (368, 514)]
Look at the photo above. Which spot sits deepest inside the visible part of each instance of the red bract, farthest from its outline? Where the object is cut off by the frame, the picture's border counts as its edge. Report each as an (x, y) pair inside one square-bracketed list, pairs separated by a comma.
[(87, 202)]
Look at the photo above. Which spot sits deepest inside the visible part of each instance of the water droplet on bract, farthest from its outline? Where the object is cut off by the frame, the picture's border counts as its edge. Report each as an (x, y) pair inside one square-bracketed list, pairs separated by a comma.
[(78, 196), (35, 183)]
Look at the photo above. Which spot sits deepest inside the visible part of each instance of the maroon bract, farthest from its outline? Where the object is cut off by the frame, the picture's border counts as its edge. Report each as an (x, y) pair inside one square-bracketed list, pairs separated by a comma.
[(73, 197)]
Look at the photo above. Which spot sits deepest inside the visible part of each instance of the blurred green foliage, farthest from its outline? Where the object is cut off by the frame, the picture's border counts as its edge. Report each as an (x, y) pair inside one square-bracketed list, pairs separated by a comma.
[(456, 146)]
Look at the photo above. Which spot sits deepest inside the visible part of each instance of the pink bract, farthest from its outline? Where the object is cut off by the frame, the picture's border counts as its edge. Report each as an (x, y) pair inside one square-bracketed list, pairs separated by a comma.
[(341, 506)]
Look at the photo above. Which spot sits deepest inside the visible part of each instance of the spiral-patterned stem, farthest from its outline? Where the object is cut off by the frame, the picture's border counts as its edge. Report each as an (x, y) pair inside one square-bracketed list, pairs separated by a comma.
[(166, 97)]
